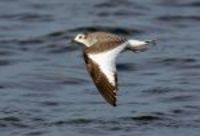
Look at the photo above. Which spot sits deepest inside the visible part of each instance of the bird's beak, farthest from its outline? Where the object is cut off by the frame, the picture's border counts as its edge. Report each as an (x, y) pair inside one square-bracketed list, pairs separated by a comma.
[(73, 41)]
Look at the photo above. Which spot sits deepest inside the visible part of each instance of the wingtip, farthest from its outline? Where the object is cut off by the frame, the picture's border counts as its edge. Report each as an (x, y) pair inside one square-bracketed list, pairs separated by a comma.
[(152, 42), (114, 104)]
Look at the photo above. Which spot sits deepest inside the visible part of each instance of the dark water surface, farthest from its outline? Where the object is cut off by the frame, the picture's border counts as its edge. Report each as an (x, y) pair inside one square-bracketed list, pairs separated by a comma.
[(46, 91)]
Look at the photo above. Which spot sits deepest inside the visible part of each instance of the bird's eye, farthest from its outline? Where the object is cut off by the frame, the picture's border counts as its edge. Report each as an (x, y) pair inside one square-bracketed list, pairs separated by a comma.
[(80, 37)]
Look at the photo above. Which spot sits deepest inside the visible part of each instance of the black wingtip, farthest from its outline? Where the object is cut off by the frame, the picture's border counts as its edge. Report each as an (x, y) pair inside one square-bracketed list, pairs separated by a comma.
[(114, 104), (152, 42)]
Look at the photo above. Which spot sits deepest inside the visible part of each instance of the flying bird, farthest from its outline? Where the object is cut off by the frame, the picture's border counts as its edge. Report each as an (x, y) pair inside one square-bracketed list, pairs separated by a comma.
[(100, 50)]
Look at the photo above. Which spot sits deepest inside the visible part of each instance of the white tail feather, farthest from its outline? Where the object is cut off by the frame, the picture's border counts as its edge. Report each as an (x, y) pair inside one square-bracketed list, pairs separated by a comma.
[(138, 46)]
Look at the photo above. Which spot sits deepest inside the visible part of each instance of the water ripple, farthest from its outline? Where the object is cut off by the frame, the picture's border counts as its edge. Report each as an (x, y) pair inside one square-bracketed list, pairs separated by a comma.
[(28, 17), (174, 18), (6, 62), (117, 30)]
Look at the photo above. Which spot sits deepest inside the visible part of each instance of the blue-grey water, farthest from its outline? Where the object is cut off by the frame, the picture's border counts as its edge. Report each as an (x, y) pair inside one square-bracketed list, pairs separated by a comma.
[(45, 89)]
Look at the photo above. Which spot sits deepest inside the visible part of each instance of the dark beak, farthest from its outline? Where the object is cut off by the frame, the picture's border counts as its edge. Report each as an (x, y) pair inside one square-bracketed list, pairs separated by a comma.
[(72, 41)]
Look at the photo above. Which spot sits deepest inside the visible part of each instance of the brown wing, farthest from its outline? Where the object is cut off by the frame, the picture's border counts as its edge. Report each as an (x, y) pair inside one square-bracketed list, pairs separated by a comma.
[(106, 41), (106, 89)]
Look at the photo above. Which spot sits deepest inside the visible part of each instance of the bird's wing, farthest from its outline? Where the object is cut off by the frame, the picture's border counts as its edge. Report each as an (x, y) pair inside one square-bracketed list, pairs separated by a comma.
[(106, 82), (102, 69), (100, 61), (105, 41)]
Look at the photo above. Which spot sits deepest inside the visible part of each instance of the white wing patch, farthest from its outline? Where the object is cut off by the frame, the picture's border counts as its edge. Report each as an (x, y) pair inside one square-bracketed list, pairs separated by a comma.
[(106, 61)]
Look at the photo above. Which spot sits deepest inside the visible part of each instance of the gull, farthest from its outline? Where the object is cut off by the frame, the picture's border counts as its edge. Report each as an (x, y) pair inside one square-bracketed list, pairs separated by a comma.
[(100, 50)]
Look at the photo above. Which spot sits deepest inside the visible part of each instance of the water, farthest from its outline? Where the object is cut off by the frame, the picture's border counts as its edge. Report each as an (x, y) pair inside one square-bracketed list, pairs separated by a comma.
[(46, 91)]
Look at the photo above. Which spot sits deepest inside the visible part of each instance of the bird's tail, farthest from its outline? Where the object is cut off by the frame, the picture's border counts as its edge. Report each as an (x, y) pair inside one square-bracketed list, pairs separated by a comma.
[(139, 46)]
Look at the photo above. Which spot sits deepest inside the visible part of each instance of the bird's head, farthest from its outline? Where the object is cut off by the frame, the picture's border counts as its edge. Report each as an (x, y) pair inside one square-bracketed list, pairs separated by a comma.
[(83, 39)]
